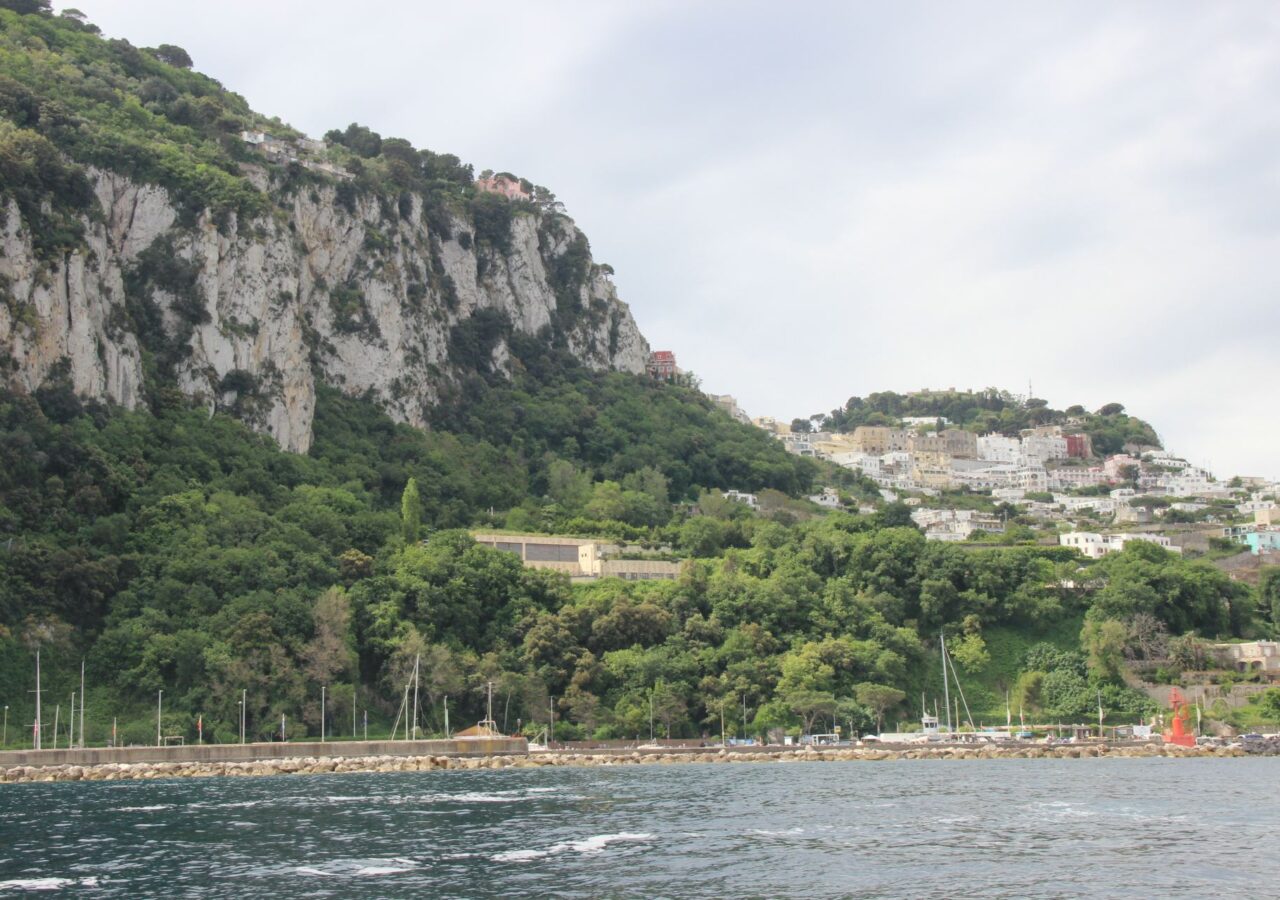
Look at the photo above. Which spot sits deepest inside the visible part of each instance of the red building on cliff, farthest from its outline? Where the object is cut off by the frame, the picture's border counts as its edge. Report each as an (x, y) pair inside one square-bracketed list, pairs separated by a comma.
[(662, 365)]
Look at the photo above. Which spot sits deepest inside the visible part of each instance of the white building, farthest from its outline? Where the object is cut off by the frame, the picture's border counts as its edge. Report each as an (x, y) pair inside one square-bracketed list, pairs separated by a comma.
[(1030, 478), (866, 463), (1096, 546), (1008, 495), (999, 448), (1075, 477), (1102, 505), (829, 498), (1040, 448)]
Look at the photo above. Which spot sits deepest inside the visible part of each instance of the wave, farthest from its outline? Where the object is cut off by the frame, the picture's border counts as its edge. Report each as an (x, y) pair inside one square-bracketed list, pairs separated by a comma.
[(156, 808), (364, 868), (46, 884), (594, 844)]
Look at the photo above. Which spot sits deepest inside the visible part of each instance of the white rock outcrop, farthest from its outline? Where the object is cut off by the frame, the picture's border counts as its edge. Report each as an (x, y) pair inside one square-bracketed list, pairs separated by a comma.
[(361, 296)]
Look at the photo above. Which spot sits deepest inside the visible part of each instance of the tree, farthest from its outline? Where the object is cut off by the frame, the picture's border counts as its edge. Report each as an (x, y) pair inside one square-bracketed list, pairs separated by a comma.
[(568, 486), (1148, 638), (27, 7), (1269, 595), (809, 704), (1104, 643), (1189, 652), (668, 706), (329, 656), (1269, 704), (173, 55), (970, 650), (410, 512), (878, 698), (606, 501), (584, 706)]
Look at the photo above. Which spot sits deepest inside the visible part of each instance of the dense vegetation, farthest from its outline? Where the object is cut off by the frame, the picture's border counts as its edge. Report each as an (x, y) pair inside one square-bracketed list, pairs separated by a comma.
[(181, 552), (987, 411), (176, 550), (70, 98)]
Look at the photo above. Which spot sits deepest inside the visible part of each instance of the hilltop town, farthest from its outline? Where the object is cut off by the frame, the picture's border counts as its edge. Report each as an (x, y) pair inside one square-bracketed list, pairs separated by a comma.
[(1046, 481)]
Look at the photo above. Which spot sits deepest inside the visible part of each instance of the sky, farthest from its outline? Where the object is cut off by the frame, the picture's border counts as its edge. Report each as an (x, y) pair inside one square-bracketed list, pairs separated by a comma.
[(812, 201)]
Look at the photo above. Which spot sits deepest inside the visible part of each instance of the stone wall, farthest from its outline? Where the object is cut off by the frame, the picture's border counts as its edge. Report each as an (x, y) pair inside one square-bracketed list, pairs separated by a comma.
[(207, 753)]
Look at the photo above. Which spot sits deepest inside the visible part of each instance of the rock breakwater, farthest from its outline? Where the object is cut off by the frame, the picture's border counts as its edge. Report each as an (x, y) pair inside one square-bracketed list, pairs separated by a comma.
[(368, 764)]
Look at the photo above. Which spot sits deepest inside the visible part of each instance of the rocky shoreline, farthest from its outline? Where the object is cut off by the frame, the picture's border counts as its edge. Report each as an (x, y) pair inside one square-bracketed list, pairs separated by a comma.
[(368, 764)]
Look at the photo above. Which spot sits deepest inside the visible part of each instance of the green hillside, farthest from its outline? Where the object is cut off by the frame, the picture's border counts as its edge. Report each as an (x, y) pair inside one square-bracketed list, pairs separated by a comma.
[(173, 549)]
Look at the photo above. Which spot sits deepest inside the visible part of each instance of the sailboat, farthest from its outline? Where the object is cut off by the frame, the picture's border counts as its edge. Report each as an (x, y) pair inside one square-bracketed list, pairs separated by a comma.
[(1023, 733), (946, 690)]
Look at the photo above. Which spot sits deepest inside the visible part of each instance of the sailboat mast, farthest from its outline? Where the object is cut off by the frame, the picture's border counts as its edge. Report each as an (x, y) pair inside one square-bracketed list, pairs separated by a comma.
[(416, 661), (37, 728), (946, 690)]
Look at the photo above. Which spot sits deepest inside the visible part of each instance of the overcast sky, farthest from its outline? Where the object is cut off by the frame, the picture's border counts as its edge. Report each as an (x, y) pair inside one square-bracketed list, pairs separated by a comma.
[(809, 201)]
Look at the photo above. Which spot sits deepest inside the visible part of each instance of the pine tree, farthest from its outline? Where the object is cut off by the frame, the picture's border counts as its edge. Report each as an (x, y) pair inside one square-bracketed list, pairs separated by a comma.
[(410, 512)]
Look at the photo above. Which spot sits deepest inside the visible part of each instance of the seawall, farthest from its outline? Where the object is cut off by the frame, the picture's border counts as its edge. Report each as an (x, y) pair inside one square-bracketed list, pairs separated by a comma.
[(404, 756), (222, 753)]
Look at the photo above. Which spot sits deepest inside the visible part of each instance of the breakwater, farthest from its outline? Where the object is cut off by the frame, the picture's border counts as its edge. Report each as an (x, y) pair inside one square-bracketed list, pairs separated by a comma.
[(287, 759)]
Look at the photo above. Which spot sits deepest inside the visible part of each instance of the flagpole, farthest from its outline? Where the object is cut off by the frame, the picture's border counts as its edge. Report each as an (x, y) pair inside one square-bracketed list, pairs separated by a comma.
[(82, 701)]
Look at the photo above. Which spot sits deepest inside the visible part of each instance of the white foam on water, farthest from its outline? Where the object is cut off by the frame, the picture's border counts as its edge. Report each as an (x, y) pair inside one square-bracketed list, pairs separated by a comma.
[(788, 833), (155, 808), (383, 870), (595, 844), (372, 868), (481, 797), (519, 855), (46, 884), (35, 884)]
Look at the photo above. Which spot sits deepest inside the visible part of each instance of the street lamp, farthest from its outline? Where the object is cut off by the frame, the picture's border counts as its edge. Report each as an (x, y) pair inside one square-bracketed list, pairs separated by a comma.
[(240, 703), (5, 740), (159, 712)]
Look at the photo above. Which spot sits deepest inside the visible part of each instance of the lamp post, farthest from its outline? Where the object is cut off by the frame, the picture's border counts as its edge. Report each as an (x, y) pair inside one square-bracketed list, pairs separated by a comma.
[(244, 707), (159, 713), (322, 714), (5, 740), (240, 704)]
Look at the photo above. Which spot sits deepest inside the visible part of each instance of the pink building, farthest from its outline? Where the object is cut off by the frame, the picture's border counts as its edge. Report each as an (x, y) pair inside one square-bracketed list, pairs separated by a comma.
[(505, 185), (1114, 464), (662, 365)]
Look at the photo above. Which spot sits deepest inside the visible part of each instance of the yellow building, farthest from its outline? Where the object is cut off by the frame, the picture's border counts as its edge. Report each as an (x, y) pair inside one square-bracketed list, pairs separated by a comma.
[(579, 558), (877, 440)]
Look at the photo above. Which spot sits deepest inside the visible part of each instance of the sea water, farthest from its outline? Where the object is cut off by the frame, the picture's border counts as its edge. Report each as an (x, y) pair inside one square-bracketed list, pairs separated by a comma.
[(918, 828)]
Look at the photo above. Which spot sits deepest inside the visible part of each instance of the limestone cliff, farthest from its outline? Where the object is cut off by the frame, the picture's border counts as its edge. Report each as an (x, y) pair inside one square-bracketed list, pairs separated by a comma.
[(377, 298)]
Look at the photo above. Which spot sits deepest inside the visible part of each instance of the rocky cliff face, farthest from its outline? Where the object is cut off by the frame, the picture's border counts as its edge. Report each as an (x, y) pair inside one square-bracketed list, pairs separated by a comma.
[(362, 293)]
